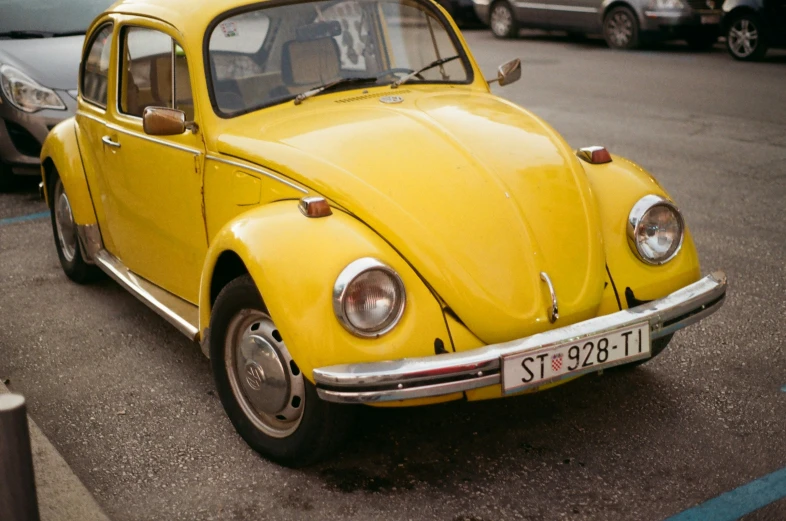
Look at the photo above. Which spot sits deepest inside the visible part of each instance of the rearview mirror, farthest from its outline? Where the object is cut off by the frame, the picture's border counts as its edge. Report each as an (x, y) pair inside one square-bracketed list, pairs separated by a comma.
[(162, 121), (508, 72)]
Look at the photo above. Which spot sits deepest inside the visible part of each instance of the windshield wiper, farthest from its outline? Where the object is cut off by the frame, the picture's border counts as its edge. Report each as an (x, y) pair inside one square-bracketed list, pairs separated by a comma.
[(341, 81), (435, 63), (19, 35)]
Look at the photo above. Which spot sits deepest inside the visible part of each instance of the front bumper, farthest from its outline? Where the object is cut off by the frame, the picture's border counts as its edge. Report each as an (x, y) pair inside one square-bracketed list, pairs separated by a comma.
[(439, 375)]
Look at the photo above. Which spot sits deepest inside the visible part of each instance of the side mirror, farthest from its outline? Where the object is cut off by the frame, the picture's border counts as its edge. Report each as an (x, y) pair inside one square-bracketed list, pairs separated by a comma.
[(162, 121), (508, 72)]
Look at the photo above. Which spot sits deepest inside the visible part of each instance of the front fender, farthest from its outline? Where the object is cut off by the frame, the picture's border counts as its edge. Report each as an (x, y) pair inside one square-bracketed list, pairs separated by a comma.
[(295, 261), (61, 151), (617, 186)]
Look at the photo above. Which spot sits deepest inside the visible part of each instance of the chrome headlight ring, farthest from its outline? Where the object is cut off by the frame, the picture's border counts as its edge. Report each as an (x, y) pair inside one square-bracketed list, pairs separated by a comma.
[(637, 220), (349, 287)]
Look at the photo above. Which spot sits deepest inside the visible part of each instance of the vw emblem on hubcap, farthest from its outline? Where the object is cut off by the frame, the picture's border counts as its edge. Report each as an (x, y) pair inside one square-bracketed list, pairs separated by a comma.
[(391, 99), (254, 377)]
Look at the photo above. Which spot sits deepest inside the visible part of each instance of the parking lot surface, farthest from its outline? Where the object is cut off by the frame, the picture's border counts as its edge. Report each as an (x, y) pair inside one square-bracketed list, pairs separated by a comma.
[(131, 406)]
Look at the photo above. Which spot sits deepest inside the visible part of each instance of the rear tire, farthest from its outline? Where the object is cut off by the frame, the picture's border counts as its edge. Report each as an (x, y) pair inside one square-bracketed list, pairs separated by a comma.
[(502, 20), (745, 39), (69, 251), (273, 407), (621, 29)]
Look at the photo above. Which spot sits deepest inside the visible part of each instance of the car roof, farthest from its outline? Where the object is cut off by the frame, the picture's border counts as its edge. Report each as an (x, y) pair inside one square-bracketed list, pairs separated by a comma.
[(187, 15)]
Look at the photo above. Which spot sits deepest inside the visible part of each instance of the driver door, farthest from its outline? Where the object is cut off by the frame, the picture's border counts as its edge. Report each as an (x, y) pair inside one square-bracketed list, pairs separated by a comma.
[(155, 196)]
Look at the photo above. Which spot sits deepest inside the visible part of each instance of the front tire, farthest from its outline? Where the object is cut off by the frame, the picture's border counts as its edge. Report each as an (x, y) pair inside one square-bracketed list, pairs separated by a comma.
[(745, 39), (621, 29), (69, 251), (273, 407), (503, 21)]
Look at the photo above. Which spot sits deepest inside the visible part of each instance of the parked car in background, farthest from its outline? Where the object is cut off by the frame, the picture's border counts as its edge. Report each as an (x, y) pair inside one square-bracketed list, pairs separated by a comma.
[(40, 47), (462, 11), (625, 24), (753, 26)]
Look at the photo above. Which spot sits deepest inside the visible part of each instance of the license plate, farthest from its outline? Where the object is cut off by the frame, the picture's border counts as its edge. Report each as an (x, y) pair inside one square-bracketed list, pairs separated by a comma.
[(535, 368), (710, 19)]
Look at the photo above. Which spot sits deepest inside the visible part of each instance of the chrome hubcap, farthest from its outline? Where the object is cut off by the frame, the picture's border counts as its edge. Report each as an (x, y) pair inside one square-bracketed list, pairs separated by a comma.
[(501, 20), (743, 38), (64, 222), (620, 29), (265, 380)]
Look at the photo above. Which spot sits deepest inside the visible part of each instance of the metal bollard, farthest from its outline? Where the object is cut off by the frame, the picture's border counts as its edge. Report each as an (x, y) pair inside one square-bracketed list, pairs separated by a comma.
[(17, 485)]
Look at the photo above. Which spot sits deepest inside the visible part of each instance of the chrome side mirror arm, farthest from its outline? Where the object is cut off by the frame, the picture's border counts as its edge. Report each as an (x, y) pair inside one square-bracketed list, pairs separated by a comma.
[(507, 73)]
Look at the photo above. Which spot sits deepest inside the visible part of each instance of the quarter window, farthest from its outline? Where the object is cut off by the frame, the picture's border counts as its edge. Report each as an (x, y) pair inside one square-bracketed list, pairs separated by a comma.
[(95, 68), (154, 73)]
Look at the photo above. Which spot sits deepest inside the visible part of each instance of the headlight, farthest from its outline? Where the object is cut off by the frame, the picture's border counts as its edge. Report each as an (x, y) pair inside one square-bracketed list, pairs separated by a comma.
[(25, 93), (666, 4), (655, 229), (368, 298)]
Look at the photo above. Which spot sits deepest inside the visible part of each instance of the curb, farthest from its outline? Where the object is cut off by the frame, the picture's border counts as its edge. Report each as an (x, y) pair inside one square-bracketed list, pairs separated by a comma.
[(61, 495)]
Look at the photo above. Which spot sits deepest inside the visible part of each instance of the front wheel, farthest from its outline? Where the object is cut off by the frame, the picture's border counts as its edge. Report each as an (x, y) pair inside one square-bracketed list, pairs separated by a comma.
[(744, 38), (273, 407), (621, 29), (503, 21)]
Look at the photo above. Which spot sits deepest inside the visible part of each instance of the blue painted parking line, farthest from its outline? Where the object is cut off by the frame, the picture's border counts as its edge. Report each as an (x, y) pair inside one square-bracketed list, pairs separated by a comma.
[(740, 501), (23, 218)]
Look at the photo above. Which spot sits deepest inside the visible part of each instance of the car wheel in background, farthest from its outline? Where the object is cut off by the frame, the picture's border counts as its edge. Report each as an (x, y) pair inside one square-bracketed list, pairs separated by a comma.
[(273, 407), (69, 251), (621, 29), (744, 38), (502, 20), (702, 41)]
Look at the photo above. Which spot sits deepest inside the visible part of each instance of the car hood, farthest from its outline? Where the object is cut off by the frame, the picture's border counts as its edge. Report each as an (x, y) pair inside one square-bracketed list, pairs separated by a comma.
[(52, 62), (477, 194)]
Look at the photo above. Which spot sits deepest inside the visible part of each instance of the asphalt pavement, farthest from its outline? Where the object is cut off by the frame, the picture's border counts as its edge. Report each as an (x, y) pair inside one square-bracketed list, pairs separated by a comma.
[(130, 405)]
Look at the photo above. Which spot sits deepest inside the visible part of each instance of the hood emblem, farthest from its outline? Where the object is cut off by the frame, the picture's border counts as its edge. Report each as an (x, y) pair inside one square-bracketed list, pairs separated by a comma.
[(391, 99), (554, 315)]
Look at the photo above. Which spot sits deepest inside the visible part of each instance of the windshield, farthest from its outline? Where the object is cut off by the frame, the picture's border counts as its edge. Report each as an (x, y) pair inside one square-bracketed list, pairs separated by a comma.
[(271, 55), (49, 17)]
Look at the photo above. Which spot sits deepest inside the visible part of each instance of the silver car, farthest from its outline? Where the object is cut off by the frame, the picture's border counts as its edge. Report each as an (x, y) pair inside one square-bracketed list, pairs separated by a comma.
[(40, 48), (625, 24)]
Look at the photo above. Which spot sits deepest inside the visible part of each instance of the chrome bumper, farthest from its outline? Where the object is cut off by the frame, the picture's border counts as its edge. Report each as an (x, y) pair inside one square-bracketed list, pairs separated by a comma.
[(455, 372)]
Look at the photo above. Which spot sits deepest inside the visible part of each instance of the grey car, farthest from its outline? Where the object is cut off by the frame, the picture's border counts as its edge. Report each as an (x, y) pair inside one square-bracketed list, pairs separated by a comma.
[(625, 24), (40, 48)]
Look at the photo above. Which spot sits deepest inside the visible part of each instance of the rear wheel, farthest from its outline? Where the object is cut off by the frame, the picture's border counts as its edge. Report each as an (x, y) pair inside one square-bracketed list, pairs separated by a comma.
[(621, 29), (502, 20), (273, 407), (69, 251), (744, 38)]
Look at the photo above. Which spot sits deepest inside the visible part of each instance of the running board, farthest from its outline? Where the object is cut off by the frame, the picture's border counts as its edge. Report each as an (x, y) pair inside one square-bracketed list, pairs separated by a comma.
[(181, 314)]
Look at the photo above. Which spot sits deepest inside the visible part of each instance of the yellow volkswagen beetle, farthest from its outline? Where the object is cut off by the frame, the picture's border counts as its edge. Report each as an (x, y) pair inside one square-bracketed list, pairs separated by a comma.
[(328, 198)]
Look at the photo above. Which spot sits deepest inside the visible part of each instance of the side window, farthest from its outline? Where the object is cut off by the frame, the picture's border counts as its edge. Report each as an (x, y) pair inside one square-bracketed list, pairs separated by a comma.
[(154, 73), (95, 67)]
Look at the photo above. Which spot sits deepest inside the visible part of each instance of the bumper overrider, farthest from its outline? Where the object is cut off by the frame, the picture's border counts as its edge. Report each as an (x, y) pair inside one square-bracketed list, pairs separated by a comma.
[(439, 375)]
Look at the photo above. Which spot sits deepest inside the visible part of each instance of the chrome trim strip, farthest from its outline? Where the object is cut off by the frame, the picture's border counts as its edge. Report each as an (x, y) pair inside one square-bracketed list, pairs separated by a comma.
[(554, 315), (258, 170), (639, 210), (453, 372), (90, 116), (665, 14), (117, 128), (123, 276), (549, 7)]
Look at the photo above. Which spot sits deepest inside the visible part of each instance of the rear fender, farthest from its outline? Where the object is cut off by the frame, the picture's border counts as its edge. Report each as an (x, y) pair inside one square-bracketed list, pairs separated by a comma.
[(60, 153), (295, 261), (617, 186)]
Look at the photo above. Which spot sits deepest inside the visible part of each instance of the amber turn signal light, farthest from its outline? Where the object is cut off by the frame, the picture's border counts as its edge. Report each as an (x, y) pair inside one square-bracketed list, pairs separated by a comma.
[(594, 155), (313, 207)]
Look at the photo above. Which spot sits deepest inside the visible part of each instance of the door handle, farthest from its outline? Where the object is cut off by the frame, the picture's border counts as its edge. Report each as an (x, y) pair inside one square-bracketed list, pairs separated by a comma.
[(108, 141)]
